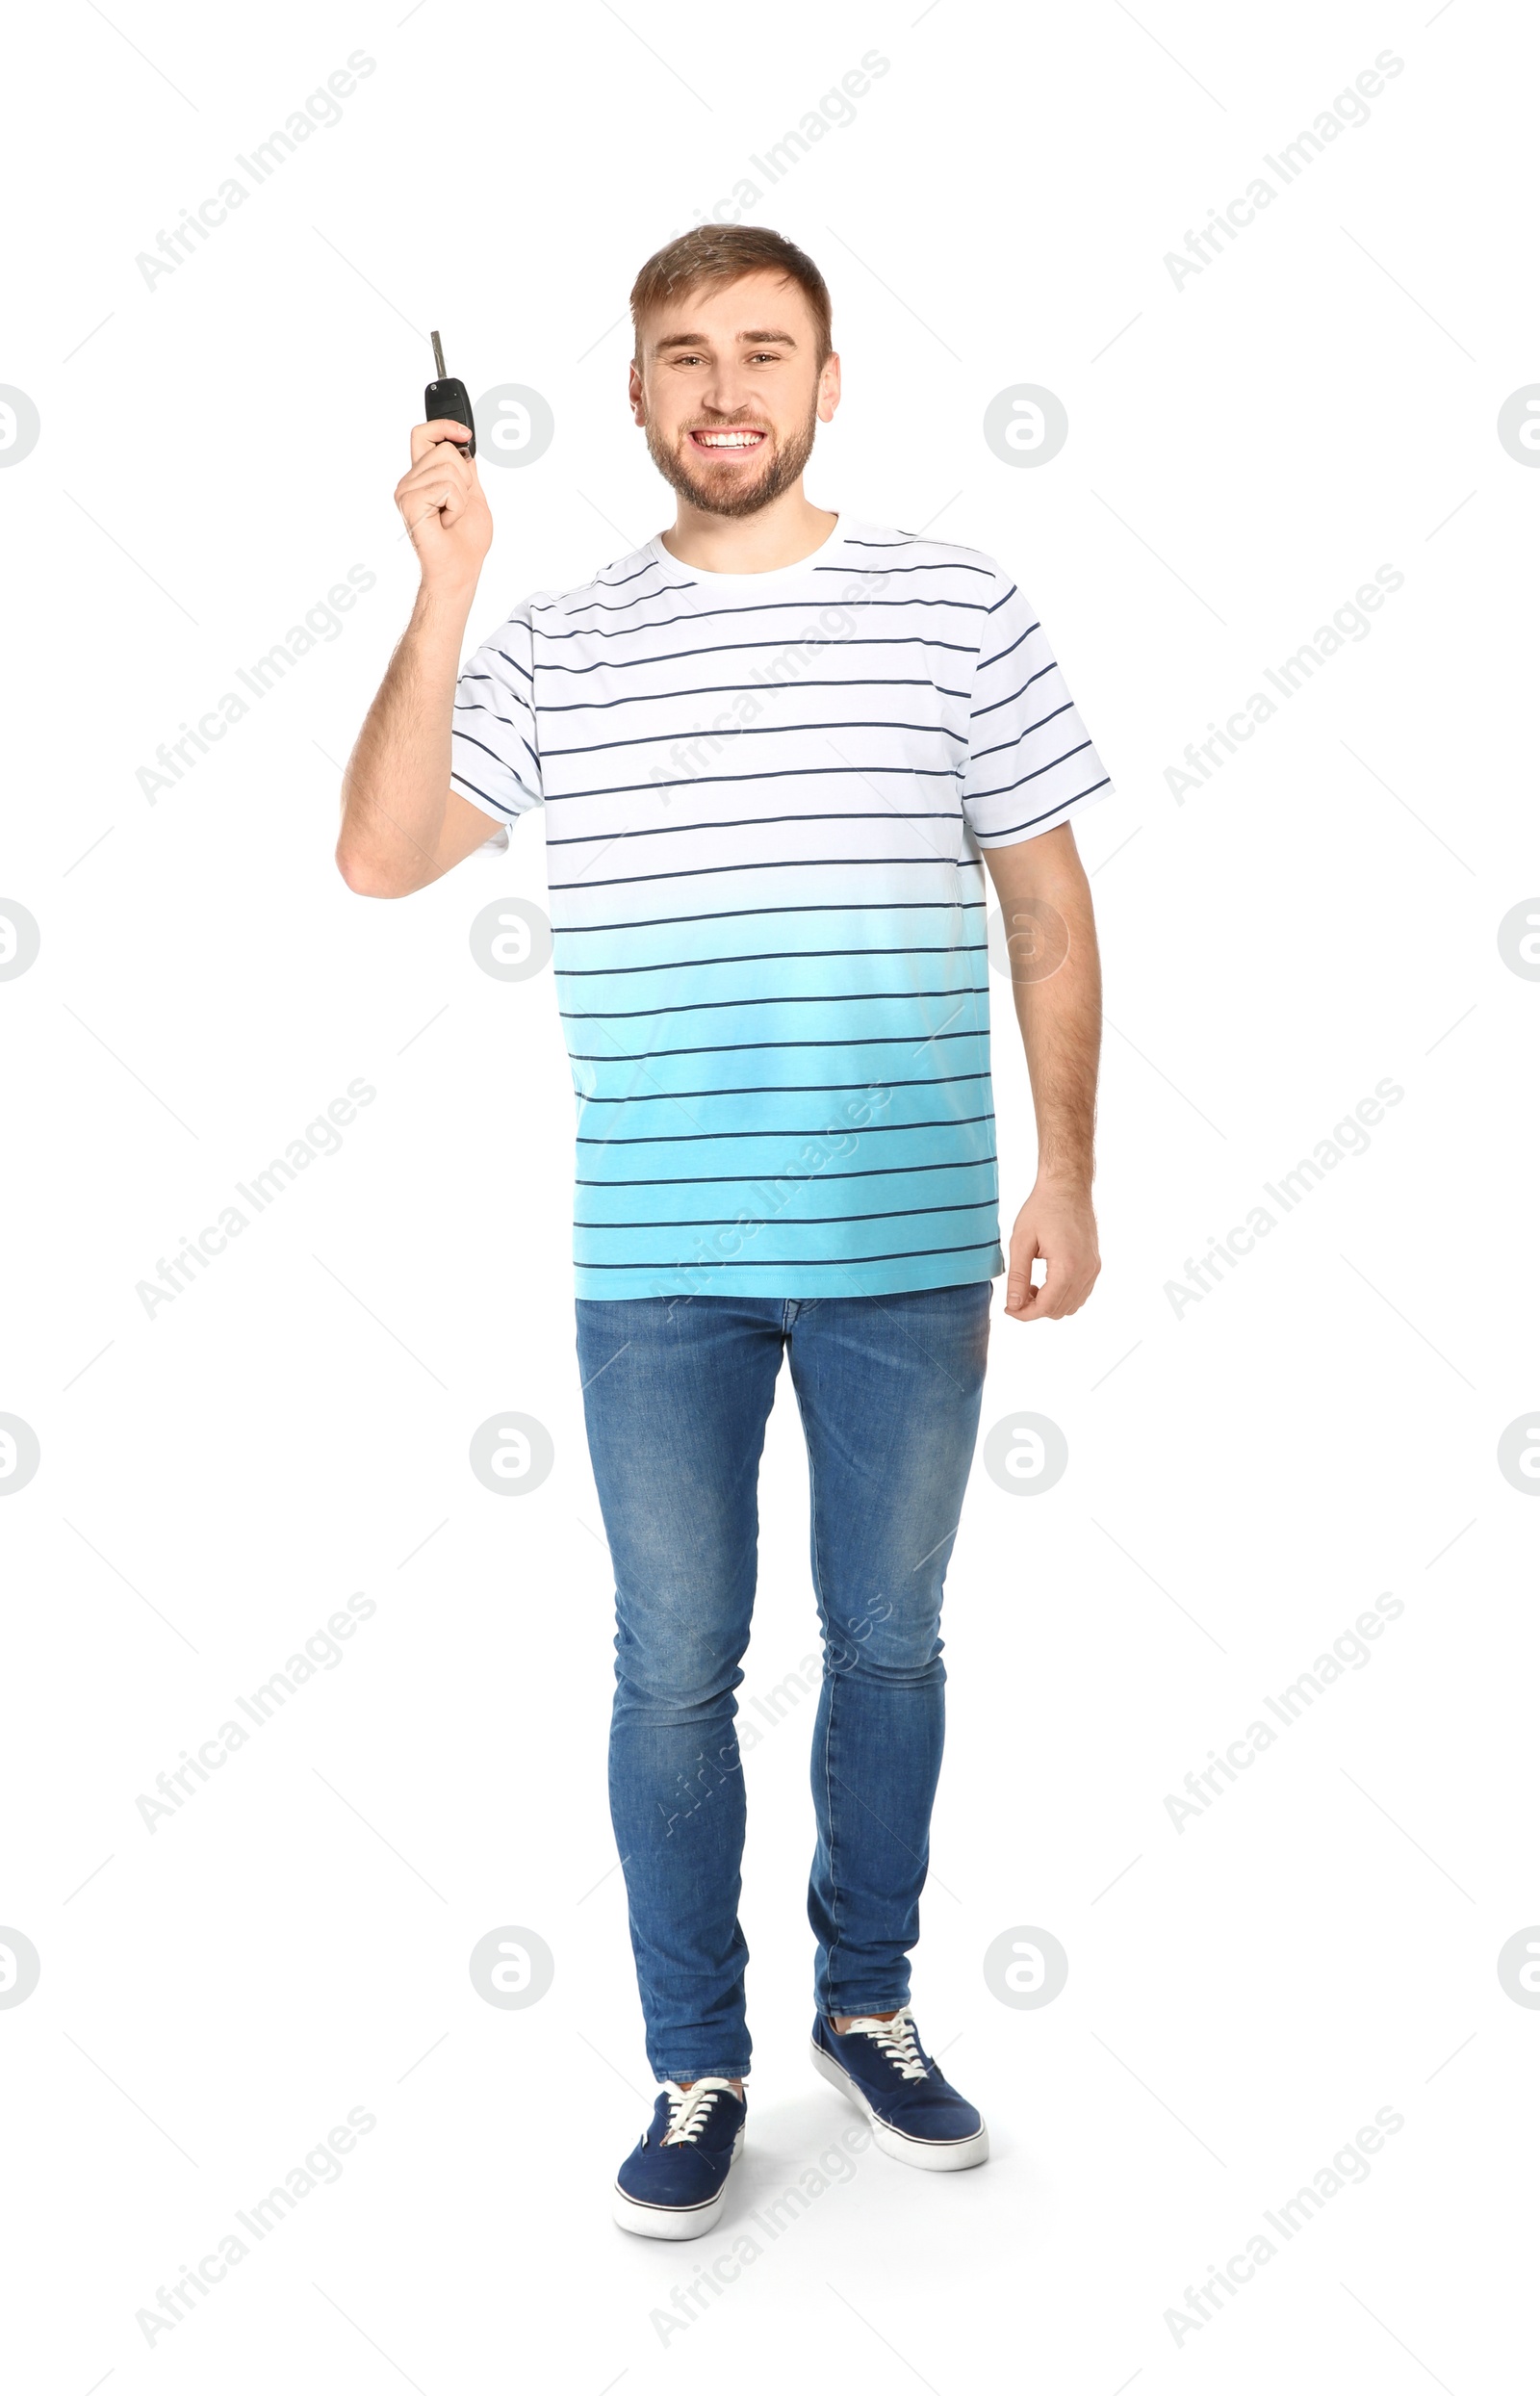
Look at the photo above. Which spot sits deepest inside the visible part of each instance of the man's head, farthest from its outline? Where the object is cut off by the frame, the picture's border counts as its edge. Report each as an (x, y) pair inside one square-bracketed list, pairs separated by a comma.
[(733, 367)]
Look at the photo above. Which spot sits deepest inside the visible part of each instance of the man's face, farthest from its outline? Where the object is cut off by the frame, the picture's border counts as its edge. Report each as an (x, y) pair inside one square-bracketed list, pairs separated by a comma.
[(730, 392)]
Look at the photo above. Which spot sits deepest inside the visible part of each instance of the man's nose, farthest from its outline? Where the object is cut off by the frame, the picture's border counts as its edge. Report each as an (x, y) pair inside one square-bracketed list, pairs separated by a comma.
[(725, 396)]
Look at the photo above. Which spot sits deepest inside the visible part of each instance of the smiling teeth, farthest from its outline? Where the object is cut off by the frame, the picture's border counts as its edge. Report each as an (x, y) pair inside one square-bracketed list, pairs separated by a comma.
[(729, 440)]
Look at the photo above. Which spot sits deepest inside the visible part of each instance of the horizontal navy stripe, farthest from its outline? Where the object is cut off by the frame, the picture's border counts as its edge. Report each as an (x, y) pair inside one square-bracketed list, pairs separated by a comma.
[(768, 998), (775, 773), (772, 1264), (781, 956), (767, 865), (750, 607), (731, 691), (584, 606), (755, 823), (740, 648), (740, 732), (779, 1132), (653, 565), (746, 1047), (763, 1222), (742, 1180), (910, 540), (815, 907), (778, 1090), (936, 565)]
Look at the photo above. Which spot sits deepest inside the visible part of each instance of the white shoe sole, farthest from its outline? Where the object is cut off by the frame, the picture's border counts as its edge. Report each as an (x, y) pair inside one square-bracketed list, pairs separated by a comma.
[(924, 2154), (673, 2220)]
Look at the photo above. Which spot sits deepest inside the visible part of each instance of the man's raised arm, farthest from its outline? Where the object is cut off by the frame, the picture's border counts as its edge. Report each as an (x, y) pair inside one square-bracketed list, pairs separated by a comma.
[(402, 826)]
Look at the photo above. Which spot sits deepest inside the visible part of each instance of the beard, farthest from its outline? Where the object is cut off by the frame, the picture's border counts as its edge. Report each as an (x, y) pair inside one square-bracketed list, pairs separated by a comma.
[(730, 492)]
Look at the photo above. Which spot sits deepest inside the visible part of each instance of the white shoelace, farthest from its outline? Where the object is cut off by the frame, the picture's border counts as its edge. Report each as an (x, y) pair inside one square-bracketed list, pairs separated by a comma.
[(688, 2108), (896, 2040)]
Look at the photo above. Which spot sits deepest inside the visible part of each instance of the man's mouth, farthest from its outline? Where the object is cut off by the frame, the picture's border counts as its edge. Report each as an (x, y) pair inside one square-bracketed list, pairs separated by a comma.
[(729, 441)]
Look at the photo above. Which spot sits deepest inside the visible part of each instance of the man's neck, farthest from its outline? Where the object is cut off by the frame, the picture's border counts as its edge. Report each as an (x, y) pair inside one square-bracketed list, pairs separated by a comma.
[(788, 529)]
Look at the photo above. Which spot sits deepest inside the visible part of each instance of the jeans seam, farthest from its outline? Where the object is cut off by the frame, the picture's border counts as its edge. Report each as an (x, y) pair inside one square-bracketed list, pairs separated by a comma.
[(834, 1699)]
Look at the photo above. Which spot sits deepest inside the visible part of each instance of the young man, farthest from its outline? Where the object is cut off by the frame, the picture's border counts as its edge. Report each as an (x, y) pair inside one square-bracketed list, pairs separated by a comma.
[(775, 748)]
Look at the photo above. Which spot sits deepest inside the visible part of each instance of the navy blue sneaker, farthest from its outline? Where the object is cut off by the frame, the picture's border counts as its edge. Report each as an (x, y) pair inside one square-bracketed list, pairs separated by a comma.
[(672, 2184), (915, 2111)]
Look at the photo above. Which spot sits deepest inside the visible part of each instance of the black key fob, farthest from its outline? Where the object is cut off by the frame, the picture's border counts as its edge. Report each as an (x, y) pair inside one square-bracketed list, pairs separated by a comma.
[(449, 398)]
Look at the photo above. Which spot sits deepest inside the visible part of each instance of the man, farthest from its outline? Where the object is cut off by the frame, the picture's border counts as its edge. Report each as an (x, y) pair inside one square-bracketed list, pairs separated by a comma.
[(777, 748)]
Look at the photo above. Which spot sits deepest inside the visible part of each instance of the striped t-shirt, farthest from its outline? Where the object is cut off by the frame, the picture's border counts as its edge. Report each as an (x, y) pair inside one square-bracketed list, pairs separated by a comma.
[(766, 799)]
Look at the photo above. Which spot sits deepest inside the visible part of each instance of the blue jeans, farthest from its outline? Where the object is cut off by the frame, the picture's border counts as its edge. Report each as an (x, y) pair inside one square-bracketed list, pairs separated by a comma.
[(677, 1393)]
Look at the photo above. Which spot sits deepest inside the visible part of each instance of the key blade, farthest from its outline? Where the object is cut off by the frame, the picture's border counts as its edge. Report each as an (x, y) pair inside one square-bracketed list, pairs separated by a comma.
[(438, 356)]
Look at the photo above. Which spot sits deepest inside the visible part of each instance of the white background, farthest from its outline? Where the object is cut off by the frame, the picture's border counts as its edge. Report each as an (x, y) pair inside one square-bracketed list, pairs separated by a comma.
[(1244, 1477)]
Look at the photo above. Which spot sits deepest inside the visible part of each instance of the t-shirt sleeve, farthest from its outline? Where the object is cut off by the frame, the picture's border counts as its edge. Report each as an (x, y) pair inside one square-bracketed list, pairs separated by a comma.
[(494, 747), (1031, 764)]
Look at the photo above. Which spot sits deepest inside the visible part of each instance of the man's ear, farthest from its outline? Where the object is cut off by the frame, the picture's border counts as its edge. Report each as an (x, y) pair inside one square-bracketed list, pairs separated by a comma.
[(635, 393)]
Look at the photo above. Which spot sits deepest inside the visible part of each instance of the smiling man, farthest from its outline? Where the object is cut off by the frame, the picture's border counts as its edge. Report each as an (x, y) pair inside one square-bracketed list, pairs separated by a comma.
[(777, 749)]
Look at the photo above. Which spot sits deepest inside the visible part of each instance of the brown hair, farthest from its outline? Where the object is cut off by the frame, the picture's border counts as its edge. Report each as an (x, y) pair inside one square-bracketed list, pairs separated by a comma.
[(724, 253)]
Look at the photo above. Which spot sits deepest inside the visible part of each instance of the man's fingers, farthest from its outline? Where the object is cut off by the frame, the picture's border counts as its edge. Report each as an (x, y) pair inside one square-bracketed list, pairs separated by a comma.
[(1056, 1296), (432, 499), (439, 486), (442, 481), (436, 513), (428, 437), (1043, 1297), (1021, 1292), (1064, 1290), (442, 505), (441, 469)]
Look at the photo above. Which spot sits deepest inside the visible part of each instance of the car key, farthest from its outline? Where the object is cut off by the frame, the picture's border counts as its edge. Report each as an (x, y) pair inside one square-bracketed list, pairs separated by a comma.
[(447, 397)]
